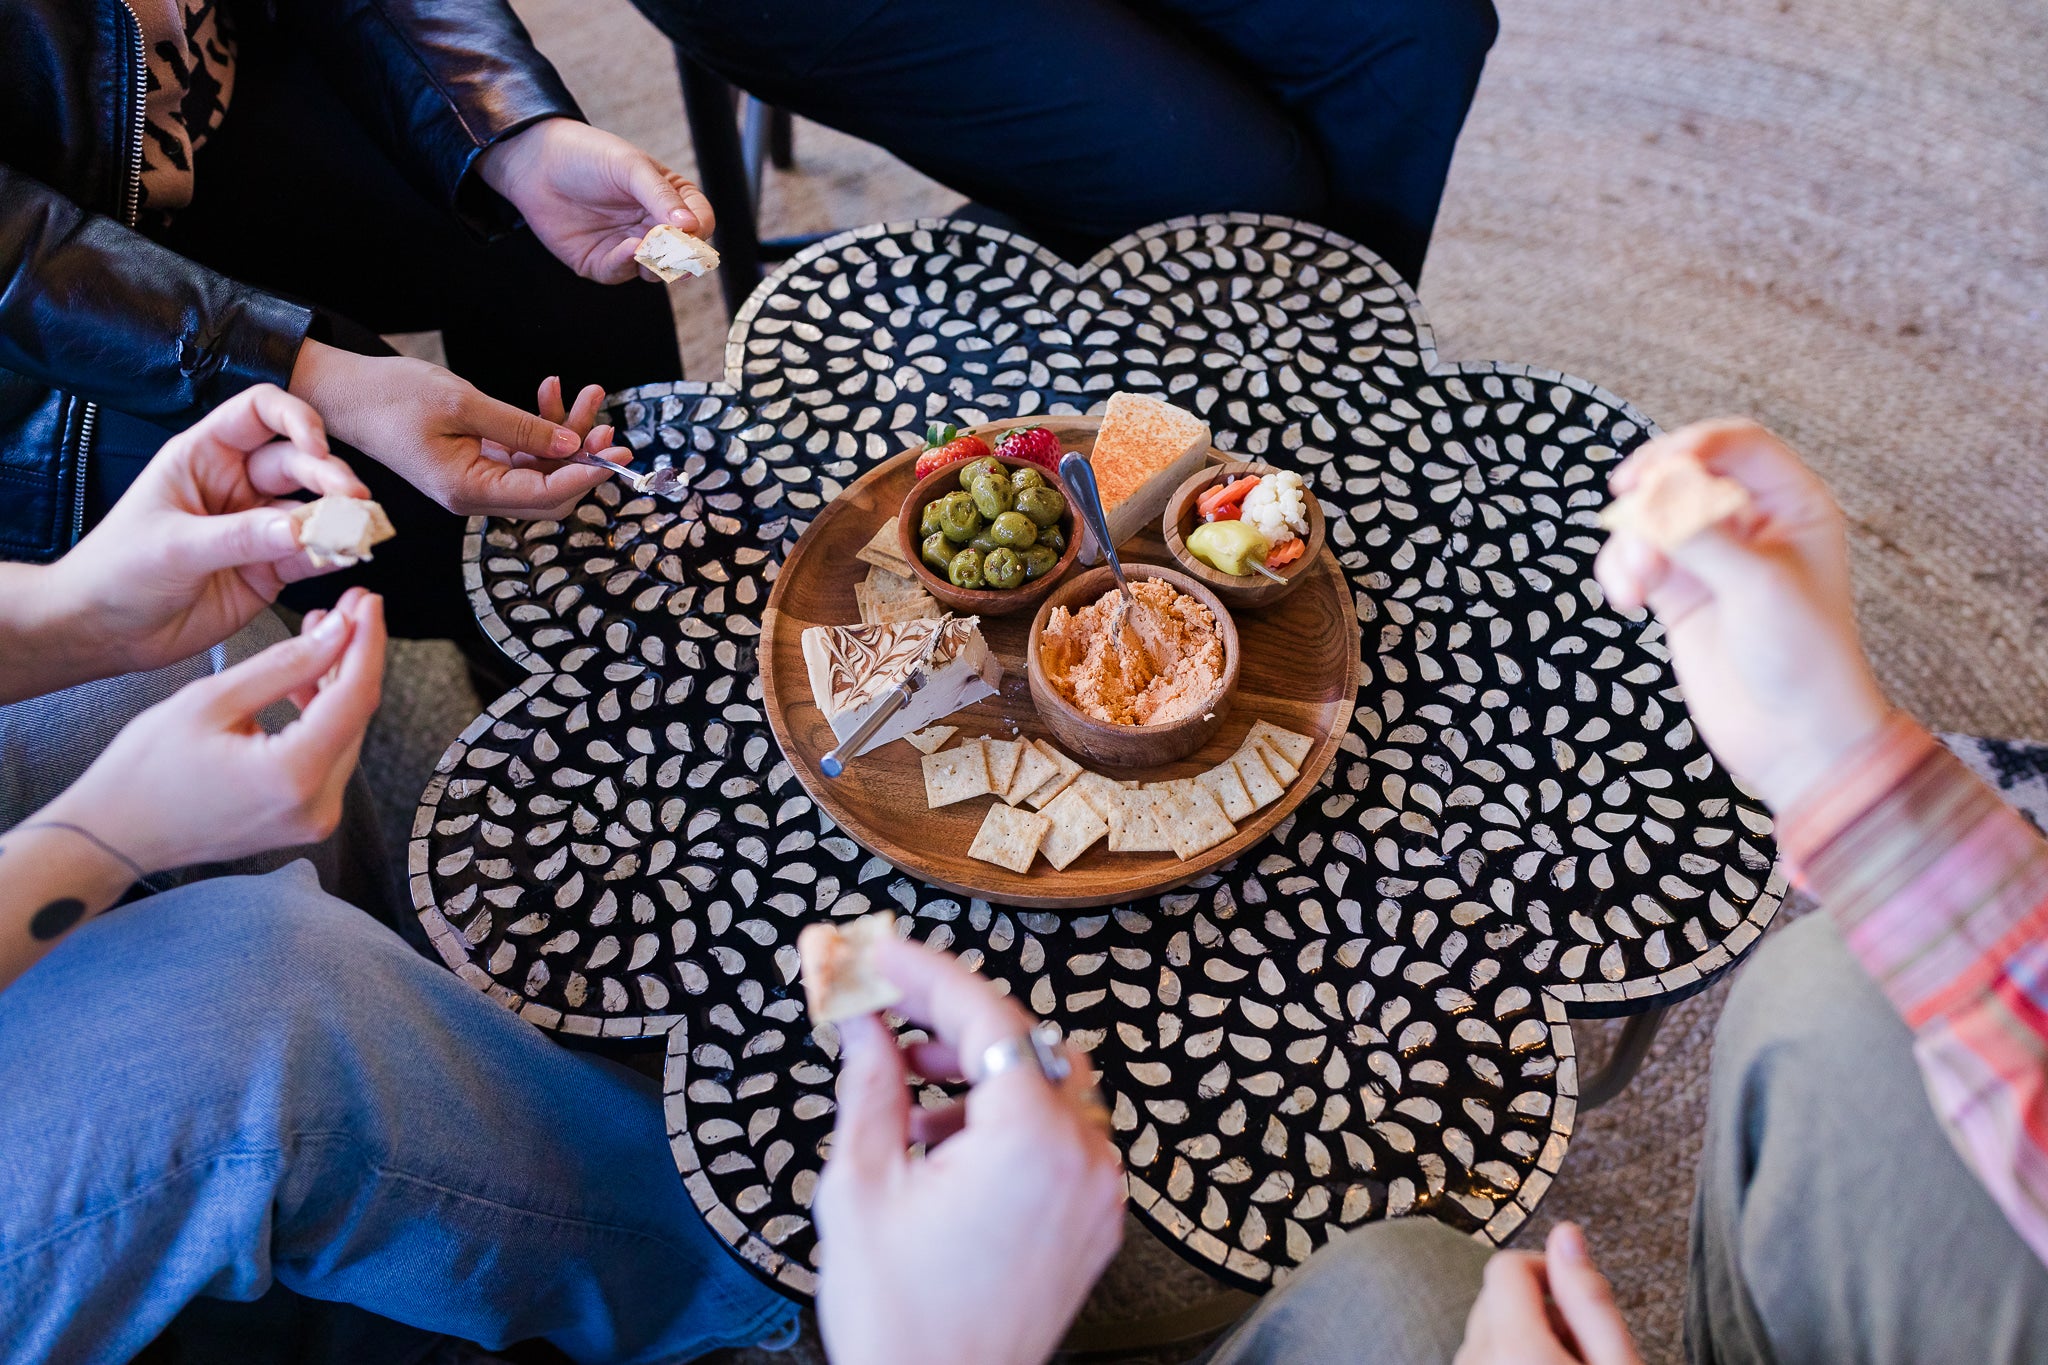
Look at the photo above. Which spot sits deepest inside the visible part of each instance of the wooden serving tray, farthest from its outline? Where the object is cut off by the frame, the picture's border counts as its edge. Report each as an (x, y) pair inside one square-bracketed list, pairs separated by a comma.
[(1297, 672)]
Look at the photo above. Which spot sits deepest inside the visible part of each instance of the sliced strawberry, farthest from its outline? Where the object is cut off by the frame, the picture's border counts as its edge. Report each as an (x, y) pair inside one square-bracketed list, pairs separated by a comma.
[(1037, 445), (945, 445)]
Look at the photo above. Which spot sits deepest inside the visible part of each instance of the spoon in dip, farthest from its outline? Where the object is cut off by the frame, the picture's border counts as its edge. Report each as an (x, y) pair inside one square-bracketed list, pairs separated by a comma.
[(1139, 630)]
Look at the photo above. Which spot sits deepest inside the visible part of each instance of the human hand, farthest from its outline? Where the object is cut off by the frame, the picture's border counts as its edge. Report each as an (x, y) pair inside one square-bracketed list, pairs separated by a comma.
[(445, 437), (195, 779), (1552, 1308), (1758, 613), (591, 196), (201, 541), (983, 1248)]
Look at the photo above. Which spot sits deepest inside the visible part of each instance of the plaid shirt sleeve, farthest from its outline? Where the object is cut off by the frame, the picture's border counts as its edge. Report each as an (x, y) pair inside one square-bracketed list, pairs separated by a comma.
[(1941, 891)]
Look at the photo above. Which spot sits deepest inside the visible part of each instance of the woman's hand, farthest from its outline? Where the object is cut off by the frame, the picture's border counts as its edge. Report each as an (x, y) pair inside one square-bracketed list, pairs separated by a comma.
[(1547, 1309), (984, 1248), (468, 452), (1758, 612), (201, 542), (591, 196), (195, 779)]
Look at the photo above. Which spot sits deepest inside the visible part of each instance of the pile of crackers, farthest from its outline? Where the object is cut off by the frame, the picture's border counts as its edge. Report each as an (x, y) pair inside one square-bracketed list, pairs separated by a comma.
[(890, 591), (1072, 808)]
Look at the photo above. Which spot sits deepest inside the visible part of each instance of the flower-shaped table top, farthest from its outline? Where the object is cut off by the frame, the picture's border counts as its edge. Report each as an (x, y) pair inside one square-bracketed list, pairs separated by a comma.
[(1364, 1018)]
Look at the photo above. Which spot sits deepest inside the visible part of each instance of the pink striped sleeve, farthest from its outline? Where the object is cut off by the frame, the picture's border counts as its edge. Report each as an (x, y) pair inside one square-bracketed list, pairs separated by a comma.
[(1941, 890)]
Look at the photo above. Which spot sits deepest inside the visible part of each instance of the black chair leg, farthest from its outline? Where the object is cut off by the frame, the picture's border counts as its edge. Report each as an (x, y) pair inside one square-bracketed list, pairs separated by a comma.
[(781, 139), (722, 167)]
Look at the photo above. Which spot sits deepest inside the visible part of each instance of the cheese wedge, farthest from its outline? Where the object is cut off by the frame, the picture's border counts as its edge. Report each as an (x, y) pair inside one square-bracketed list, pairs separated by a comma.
[(1144, 450)]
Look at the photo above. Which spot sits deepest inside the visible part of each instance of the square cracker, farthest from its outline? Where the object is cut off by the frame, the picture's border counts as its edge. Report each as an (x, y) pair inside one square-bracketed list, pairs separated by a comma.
[(1059, 782), (881, 551), (1674, 500), (1276, 762), (1259, 782), (1223, 783), (1099, 792), (1193, 820), (956, 774), (1290, 746), (1178, 784), (886, 585), (931, 739), (1134, 825), (1009, 837), (839, 977), (1075, 828), (1002, 762), (1034, 769)]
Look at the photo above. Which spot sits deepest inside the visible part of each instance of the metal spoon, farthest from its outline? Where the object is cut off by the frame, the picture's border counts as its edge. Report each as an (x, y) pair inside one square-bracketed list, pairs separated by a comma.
[(1079, 477), (662, 480)]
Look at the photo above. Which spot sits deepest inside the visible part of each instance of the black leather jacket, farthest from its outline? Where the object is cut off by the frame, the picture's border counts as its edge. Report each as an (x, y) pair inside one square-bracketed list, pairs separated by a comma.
[(93, 313)]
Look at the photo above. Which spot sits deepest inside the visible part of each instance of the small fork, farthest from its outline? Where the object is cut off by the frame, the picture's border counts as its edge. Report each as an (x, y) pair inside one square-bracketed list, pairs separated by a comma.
[(662, 480)]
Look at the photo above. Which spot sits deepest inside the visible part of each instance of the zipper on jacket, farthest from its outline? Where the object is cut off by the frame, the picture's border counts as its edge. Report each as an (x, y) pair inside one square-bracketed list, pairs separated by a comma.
[(131, 197)]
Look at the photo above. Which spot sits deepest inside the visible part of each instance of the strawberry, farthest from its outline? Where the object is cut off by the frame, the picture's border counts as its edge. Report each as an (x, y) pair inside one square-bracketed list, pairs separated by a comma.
[(945, 445), (1035, 444)]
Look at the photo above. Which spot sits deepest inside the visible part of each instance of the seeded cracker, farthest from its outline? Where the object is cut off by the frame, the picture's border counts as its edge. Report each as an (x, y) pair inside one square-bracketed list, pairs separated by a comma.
[(1294, 748), (1009, 837), (1002, 762), (1034, 769), (931, 739), (1075, 828), (1134, 825), (1259, 782), (1193, 820), (1227, 787), (839, 978), (956, 774), (1059, 782)]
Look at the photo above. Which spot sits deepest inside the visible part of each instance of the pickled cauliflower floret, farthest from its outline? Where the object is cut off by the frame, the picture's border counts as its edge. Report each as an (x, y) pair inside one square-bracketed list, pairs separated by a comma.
[(1278, 506)]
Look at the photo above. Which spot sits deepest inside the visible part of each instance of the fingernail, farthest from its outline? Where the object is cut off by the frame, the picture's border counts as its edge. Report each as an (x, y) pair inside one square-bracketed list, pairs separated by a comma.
[(332, 626), (1567, 1241), (565, 442), (678, 216)]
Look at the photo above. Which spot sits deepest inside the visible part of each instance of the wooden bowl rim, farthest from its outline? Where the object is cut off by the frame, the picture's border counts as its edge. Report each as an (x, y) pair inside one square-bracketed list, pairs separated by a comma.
[(1232, 650), (984, 601), (1183, 499)]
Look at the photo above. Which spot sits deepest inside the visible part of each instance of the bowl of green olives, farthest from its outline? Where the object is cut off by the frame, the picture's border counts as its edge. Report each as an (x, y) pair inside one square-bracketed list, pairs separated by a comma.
[(989, 536)]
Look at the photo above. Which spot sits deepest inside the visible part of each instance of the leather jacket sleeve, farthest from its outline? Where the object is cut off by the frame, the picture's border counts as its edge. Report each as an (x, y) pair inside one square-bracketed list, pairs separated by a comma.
[(436, 84), (92, 307)]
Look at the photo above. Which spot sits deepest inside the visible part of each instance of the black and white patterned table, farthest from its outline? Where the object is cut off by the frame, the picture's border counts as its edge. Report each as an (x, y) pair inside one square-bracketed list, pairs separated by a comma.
[(1366, 1017)]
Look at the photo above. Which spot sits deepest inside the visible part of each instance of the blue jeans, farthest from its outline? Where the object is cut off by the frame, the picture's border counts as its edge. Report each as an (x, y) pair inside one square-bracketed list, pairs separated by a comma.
[(245, 1079)]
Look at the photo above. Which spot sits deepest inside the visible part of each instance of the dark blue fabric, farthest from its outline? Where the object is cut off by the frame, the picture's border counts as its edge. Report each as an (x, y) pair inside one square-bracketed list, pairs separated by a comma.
[(1085, 119)]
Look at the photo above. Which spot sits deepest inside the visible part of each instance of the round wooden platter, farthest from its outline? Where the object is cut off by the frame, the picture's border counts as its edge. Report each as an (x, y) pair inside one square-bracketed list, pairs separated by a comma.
[(1298, 668)]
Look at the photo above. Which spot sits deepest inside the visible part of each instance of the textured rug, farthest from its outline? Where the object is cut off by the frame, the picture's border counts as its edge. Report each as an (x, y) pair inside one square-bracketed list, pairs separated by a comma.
[(1826, 213)]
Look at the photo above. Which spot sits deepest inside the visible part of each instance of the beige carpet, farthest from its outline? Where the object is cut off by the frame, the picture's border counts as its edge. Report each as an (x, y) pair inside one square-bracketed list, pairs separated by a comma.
[(1832, 214)]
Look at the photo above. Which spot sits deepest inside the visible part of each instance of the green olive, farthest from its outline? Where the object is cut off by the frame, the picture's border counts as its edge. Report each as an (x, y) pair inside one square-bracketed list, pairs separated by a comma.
[(1043, 505), (965, 570), (1038, 562), (1027, 476), (984, 542), (1003, 569), (1053, 538), (980, 469), (992, 497), (958, 520), (1015, 530), (928, 521), (938, 551)]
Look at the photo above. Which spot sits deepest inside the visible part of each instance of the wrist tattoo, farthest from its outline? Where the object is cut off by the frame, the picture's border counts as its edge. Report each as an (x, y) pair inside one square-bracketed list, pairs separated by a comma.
[(56, 919), (101, 844)]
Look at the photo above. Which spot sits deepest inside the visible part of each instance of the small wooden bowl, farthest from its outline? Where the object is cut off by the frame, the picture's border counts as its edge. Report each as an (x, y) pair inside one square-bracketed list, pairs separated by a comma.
[(978, 601), (1253, 590), (1129, 746)]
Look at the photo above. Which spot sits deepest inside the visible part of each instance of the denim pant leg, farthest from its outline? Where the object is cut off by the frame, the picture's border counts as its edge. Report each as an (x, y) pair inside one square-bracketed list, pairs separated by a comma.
[(1392, 1293), (1833, 1219), (245, 1078)]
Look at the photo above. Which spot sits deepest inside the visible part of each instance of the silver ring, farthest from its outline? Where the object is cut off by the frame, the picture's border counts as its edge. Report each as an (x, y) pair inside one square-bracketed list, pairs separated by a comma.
[(1039, 1048)]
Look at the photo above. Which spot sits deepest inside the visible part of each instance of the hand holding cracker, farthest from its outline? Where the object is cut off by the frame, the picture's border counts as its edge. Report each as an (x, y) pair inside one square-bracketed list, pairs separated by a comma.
[(1756, 603)]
